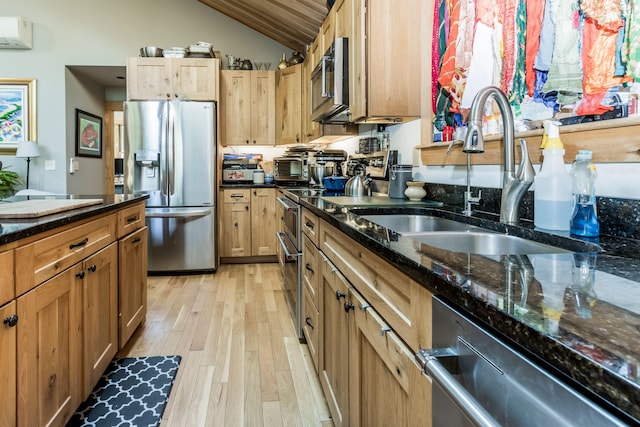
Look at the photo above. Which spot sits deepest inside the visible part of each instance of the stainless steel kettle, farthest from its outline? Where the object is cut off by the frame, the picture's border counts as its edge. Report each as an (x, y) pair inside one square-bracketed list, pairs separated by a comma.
[(358, 184)]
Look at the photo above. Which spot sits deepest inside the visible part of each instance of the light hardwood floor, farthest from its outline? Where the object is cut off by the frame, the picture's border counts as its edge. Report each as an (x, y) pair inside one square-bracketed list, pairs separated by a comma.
[(242, 364)]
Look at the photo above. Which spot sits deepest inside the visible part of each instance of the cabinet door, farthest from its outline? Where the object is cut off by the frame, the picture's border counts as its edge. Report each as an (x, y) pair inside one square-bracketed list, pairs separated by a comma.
[(195, 78), (8, 364), (100, 314), (263, 221), (327, 30), (7, 284), (49, 351), (386, 385), (149, 78), (334, 344), (263, 107), (357, 62), (235, 230), (310, 269), (343, 18), (311, 130), (288, 105), (132, 287), (235, 111)]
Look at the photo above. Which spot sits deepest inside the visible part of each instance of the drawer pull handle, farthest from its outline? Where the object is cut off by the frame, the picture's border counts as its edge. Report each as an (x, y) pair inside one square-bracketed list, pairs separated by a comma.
[(308, 267), (384, 331), (136, 240), (309, 224), (11, 321), (237, 196), (340, 295), (80, 275), (132, 219), (308, 322), (364, 307), (92, 268), (79, 244)]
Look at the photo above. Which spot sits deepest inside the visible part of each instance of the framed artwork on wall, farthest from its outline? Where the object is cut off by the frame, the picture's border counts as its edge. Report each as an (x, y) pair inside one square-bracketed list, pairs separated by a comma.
[(88, 134), (17, 111)]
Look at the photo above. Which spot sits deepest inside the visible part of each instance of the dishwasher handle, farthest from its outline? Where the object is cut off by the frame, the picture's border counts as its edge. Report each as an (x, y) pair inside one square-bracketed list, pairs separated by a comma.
[(430, 362)]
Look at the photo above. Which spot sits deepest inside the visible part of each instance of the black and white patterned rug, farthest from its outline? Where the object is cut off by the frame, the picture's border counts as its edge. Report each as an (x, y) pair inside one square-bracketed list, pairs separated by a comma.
[(132, 392)]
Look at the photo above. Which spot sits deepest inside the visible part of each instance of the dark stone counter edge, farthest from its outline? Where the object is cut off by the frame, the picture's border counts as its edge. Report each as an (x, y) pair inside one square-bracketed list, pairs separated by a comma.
[(614, 392), (35, 226)]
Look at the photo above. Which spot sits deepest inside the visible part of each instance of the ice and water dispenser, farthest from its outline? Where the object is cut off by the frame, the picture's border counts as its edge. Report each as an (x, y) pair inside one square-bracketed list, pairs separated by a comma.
[(146, 170)]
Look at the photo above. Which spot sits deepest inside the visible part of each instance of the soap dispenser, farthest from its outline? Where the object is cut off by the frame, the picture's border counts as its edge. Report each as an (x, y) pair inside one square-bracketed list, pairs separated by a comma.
[(553, 188)]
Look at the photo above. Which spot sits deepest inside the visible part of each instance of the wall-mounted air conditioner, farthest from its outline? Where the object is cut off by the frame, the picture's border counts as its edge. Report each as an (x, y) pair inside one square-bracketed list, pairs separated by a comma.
[(15, 32)]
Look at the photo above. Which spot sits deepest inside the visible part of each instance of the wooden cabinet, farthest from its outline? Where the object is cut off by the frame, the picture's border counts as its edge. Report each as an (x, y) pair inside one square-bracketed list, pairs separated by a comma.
[(247, 107), (386, 65), (235, 220), (49, 349), (132, 285), (8, 336), (343, 18), (99, 278), (248, 222), (288, 105), (327, 31), (172, 78), (334, 343)]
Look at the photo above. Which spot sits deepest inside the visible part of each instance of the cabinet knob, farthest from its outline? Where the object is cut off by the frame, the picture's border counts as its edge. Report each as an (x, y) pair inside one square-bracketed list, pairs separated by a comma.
[(247, 141), (11, 321), (246, 208), (80, 275), (92, 268), (348, 306), (340, 295)]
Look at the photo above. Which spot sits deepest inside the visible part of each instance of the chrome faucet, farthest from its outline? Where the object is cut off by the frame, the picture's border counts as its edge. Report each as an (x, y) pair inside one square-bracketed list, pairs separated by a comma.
[(513, 185)]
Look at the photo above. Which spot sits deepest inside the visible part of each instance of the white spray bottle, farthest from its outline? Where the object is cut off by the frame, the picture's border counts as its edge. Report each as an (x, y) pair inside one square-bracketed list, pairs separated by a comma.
[(553, 198)]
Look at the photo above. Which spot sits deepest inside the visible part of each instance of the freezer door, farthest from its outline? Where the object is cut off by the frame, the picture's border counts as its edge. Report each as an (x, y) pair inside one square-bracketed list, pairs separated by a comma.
[(181, 239), (192, 158), (145, 145)]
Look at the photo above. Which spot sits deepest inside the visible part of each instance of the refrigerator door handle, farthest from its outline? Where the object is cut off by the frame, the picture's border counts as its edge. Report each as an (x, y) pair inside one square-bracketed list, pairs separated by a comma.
[(195, 213), (171, 141)]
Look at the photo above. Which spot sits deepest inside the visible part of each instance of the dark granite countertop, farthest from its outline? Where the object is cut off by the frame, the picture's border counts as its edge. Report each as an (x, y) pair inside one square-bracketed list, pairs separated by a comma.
[(248, 185), (19, 228), (576, 313)]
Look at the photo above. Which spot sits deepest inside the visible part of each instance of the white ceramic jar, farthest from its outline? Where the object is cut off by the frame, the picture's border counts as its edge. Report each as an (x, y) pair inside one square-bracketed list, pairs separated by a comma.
[(258, 176), (415, 190)]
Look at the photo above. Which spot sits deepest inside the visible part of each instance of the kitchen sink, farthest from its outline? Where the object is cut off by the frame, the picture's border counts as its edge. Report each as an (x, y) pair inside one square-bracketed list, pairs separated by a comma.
[(482, 243), (417, 223)]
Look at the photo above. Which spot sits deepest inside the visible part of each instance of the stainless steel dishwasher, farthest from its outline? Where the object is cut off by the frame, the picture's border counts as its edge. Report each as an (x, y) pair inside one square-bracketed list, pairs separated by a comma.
[(480, 381)]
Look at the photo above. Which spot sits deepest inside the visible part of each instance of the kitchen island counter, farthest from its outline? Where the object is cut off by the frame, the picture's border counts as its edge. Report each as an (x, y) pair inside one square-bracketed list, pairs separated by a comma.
[(575, 313), (15, 229)]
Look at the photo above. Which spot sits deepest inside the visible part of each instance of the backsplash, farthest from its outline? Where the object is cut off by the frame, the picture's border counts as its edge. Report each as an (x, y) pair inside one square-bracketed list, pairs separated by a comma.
[(618, 217)]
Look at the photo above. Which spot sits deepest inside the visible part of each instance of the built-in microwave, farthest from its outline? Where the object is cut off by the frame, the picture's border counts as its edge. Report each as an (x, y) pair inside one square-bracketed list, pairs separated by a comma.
[(330, 85)]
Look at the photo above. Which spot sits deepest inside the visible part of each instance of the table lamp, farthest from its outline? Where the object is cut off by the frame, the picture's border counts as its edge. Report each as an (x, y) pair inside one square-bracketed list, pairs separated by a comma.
[(28, 150)]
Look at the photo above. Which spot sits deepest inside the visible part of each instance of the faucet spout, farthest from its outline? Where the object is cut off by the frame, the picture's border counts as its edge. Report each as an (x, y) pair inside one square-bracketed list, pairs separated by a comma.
[(514, 185)]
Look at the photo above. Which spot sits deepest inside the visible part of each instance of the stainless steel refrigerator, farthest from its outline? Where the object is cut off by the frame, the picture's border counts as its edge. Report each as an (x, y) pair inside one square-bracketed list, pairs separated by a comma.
[(170, 154)]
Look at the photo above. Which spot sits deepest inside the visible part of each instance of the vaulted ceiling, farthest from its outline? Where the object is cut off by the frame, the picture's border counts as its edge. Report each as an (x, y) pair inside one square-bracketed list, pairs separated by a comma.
[(292, 23)]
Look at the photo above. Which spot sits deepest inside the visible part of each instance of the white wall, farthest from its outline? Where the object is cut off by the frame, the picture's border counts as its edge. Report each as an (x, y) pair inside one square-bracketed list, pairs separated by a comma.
[(105, 33)]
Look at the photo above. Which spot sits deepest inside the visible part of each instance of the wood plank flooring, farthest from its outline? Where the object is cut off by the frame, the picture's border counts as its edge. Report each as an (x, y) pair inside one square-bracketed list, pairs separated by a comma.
[(242, 364)]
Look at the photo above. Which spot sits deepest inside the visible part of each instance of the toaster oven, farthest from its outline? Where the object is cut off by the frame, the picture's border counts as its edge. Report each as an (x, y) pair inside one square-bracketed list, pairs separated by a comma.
[(291, 169)]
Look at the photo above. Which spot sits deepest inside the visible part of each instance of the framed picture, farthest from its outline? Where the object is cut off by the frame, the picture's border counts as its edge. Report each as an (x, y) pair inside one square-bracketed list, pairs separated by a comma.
[(17, 111), (88, 134)]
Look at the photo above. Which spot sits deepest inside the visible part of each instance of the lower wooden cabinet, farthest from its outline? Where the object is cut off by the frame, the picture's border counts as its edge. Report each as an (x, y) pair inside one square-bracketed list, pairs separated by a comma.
[(8, 334), (49, 377), (132, 283), (99, 276)]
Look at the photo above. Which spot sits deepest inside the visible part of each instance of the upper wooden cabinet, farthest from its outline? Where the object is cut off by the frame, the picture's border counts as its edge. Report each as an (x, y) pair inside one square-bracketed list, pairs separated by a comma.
[(327, 31), (343, 20), (248, 107), (172, 78), (288, 105), (385, 60)]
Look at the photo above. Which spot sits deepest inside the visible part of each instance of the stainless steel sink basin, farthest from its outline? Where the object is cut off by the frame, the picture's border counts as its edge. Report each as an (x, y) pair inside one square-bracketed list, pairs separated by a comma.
[(417, 223), (482, 243)]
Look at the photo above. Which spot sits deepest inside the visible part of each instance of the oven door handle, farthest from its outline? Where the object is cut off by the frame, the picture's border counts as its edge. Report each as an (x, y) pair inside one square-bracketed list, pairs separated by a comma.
[(282, 237), (430, 362), (286, 204)]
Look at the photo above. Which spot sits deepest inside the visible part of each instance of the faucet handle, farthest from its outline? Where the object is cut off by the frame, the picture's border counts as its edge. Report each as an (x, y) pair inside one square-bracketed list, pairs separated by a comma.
[(525, 171)]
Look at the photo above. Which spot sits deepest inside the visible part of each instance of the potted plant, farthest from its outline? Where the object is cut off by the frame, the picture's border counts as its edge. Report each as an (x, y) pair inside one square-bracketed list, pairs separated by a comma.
[(8, 180)]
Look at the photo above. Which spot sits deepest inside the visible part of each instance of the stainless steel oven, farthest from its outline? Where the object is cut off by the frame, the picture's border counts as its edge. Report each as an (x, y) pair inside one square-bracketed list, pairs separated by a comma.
[(290, 239), (291, 168)]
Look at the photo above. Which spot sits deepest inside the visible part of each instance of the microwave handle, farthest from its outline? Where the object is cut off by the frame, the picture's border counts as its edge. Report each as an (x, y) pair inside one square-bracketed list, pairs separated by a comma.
[(325, 59)]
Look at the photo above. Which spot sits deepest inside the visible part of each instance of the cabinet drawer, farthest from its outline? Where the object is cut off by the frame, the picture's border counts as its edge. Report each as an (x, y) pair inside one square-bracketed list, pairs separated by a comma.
[(43, 259), (403, 303), (310, 269), (310, 225), (130, 219), (310, 327), (7, 287), (237, 196)]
